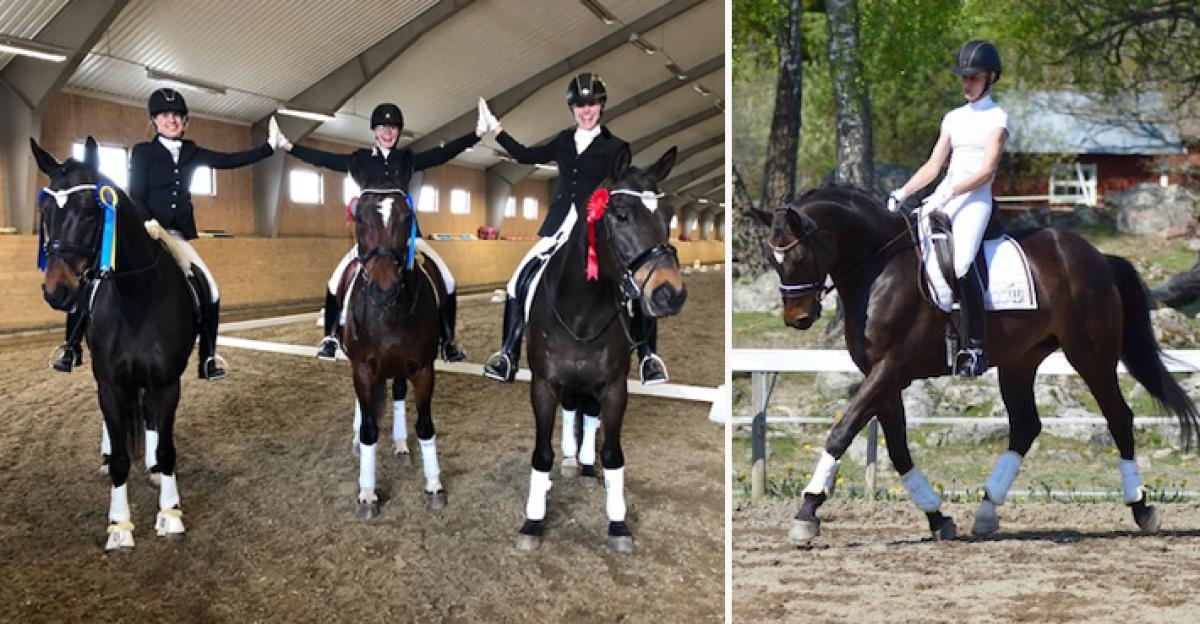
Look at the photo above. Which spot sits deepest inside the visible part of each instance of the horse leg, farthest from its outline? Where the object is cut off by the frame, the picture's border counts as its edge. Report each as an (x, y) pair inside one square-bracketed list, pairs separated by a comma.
[(1016, 388), (570, 444), (612, 407), (435, 494), (545, 405), (878, 383), (151, 440), (891, 420), (370, 393), (399, 422), (587, 447), (105, 447), (162, 403), (118, 406)]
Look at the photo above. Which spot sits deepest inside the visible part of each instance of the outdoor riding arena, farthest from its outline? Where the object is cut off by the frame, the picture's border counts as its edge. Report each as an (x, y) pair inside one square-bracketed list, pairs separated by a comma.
[(268, 483)]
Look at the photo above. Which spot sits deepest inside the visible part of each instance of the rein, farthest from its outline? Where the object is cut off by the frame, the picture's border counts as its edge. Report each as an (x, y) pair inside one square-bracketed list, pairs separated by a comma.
[(403, 264)]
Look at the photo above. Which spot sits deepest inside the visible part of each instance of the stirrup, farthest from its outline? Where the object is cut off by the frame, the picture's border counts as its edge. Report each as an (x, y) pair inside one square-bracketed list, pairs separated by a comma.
[(500, 367), (328, 348), (971, 363), (653, 370), (213, 369), (65, 357)]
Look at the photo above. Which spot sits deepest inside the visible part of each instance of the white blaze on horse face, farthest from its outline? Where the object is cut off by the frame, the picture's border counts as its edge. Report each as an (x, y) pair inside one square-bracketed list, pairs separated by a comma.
[(778, 256), (385, 210), (614, 487)]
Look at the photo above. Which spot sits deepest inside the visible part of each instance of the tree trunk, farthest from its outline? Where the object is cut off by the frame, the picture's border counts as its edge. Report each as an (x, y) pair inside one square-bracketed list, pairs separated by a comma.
[(850, 96), (779, 174), (749, 233)]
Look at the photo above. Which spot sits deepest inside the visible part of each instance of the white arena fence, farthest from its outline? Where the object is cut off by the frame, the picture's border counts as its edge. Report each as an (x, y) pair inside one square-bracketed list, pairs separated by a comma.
[(764, 363)]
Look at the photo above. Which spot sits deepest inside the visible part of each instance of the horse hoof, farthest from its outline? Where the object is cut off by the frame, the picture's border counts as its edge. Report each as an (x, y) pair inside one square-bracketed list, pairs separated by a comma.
[(622, 544), (587, 470), (946, 532), (367, 511), (804, 530), (1150, 522), (569, 468), (119, 540), (528, 543), (985, 524), (403, 457), (435, 501), (104, 464), (169, 524)]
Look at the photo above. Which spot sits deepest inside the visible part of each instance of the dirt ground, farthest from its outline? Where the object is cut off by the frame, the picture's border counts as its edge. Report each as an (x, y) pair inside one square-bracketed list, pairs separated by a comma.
[(268, 485), (1050, 563)]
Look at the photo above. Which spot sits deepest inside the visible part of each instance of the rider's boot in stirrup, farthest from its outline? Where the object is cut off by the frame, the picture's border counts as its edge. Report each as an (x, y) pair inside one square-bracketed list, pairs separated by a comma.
[(328, 348), (645, 332), (70, 354), (450, 350), (971, 360), (210, 364), (502, 365)]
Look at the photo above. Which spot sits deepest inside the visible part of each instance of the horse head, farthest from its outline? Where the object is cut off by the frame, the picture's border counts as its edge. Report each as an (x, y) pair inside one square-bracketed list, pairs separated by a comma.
[(638, 230), (385, 229), (803, 261), (71, 223)]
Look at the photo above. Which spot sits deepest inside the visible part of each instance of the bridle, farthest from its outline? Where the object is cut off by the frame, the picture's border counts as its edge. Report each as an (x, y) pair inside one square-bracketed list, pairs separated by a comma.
[(402, 260), (631, 289), (798, 290)]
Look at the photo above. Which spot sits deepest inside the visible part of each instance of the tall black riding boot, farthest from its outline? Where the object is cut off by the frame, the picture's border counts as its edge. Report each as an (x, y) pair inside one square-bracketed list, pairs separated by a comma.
[(450, 350), (971, 360), (645, 332), (71, 352), (210, 317), (328, 348), (502, 365)]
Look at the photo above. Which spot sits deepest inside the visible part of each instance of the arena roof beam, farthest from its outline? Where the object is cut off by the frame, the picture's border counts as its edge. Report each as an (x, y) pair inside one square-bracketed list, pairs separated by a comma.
[(679, 126), (27, 84), (329, 94), (692, 150), (677, 182), (510, 99)]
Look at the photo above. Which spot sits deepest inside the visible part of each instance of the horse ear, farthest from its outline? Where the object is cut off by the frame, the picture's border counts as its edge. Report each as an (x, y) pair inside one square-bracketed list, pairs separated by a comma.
[(621, 162), (45, 161), (799, 223), (91, 153), (660, 169), (762, 215)]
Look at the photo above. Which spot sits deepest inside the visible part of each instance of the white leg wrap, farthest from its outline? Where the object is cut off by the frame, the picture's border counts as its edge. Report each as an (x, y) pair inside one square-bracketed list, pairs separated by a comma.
[(1131, 480), (357, 417), (570, 447), (920, 491), (366, 466), (170, 518), (105, 441), (399, 424), (614, 487), (151, 449), (539, 487), (587, 447), (118, 506), (1002, 477), (823, 475), (168, 493), (430, 463)]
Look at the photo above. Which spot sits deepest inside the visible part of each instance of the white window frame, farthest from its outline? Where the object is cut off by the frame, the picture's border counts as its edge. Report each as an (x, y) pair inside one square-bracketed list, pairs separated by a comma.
[(427, 200), (529, 208), (119, 174), (293, 187), (460, 201)]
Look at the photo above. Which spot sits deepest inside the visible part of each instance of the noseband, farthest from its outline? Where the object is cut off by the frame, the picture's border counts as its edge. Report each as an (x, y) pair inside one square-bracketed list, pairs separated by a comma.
[(631, 290)]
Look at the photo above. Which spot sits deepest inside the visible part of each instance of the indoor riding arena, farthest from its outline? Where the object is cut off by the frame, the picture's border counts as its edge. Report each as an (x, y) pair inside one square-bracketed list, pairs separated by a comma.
[(266, 469)]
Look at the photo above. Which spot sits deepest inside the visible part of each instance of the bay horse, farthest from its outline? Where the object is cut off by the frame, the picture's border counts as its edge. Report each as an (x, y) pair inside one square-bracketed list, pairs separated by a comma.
[(99, 258), (392, 331), (1091, 305), (579, 343)]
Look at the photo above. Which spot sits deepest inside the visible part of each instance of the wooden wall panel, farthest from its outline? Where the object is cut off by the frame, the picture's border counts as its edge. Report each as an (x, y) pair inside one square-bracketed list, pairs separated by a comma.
[(518, 227), (327, 218), (446, 178)]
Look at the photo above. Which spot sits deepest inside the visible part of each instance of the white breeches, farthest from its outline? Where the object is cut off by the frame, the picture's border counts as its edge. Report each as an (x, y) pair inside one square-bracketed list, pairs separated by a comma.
[(422, 246), (969, 214), (544, 248), (194, 258)]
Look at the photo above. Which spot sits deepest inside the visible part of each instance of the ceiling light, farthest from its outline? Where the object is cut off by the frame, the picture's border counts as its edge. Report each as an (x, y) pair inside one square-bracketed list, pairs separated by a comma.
[(305, 113), (34, 49), (701, 89), (703, 200), (641, 44), (599, 11), (677, 70), (184, 82)]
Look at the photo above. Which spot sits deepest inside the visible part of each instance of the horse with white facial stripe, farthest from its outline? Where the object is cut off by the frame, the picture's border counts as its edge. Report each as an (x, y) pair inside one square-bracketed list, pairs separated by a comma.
[(392, 330), (579, 341), (98, 256)]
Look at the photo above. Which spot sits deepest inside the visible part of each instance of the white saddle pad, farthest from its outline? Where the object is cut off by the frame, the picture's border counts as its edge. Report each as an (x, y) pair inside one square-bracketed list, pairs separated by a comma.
[(1010, 283)]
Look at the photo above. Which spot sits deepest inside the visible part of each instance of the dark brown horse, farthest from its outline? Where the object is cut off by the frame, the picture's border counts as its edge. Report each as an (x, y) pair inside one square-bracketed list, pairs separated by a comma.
[(392, 330), (616, 257), (1092, 306), (100, 259)]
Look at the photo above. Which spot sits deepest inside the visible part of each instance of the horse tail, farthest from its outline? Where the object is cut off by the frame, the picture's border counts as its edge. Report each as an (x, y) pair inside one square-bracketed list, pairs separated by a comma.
[(1141, 353)]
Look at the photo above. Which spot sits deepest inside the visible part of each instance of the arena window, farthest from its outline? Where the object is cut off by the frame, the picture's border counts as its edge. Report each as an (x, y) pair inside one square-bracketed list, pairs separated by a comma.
[(529, 208), (204, 181), (428, 199), (510, 207), (305, 186), (460, 201), (114, 162)]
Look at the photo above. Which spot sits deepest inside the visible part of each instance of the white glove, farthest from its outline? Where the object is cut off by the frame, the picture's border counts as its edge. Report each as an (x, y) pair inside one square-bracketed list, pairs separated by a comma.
[(487, 121), (896, 199), (275, 136), (938, 199)]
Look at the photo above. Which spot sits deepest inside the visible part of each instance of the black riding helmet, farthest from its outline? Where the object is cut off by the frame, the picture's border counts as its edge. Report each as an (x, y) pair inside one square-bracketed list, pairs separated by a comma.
[(976, 57), (167, 99), (586, 88), (387, 115)]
